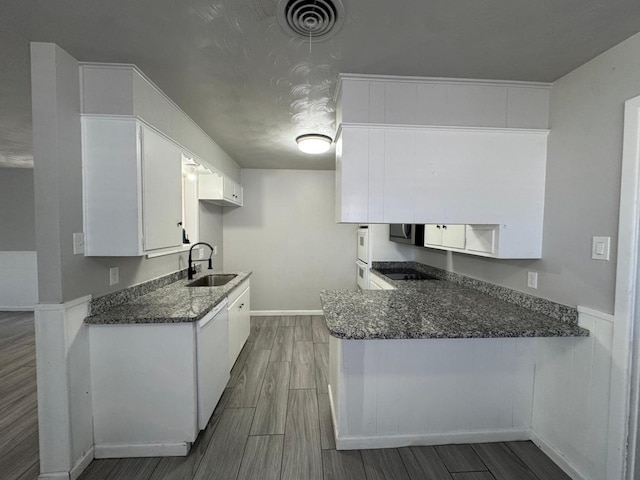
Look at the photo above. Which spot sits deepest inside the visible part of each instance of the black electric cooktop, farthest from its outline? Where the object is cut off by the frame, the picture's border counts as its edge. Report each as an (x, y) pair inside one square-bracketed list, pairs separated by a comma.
[(405, 274)]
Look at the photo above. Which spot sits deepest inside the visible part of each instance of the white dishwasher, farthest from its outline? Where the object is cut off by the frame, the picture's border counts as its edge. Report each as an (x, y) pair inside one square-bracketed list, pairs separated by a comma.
[(212, 350)]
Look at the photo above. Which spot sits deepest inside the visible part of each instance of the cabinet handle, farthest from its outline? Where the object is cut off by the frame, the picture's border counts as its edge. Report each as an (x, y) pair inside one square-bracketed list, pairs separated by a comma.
[(241, 306), (444, 227), (438, 227)]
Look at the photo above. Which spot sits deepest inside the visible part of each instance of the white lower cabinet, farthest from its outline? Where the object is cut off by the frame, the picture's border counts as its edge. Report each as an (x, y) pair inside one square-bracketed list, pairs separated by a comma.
[(239, 320), (155, 386), (144, 389)]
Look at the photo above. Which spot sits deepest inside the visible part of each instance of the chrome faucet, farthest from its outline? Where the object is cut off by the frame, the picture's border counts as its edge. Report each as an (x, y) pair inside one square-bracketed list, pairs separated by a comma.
[(191, 271)]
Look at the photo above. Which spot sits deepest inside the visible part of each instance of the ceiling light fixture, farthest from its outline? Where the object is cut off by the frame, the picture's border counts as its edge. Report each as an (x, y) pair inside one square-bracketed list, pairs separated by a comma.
[(313, 143)]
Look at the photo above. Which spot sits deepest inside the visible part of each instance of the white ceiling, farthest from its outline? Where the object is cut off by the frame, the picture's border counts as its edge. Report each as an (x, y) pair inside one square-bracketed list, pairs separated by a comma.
[(254, 88)]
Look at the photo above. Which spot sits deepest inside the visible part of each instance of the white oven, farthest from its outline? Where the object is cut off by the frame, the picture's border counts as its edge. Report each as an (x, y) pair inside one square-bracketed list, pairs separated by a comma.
[(362, 275), (363, 245), (364, 258)]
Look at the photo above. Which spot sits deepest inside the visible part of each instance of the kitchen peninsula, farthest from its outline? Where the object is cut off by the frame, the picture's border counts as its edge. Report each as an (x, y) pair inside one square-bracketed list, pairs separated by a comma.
[(436, 362)]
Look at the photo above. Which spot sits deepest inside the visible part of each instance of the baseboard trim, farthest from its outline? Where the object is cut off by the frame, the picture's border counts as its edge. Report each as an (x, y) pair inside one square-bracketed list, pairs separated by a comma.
[(56, 307), (607, 317), (557, 457), (397, 441), (25, 308), (54, 476), (81, 464), (284, 313), (129, 450)]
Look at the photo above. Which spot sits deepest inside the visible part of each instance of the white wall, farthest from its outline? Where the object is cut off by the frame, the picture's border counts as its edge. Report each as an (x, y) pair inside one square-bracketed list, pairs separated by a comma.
[(572, 397), (18, 268), (582, 187), (17, 214), (384, 250), (18, 280), (286, 234), (211, 231)]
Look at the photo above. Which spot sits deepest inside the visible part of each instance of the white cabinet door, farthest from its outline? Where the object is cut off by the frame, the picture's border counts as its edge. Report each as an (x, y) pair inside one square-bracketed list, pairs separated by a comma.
[(433, 235), (376, 175), (352, 173), (162, 191), (453, 236), (239, 323), (132, 188), (239, 190), (482, 238), (229, 190), (140, 374), (399, 173), (210, 186)]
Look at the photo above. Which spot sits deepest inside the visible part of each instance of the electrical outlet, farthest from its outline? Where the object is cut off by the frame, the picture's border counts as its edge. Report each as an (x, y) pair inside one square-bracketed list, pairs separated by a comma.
[(532, 279), (114, 275), (78, 243), (215, 249), (201, 253)]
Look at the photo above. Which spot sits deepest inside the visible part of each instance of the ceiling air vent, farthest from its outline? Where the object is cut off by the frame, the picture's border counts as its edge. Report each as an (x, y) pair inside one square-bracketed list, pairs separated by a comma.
[(314, 20)]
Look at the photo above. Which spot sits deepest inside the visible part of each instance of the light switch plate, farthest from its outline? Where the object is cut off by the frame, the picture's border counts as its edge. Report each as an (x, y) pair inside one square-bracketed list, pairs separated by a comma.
[(532, 279), (201, 253), (78, 243), (215, 249), (114, 275), (600, 248)]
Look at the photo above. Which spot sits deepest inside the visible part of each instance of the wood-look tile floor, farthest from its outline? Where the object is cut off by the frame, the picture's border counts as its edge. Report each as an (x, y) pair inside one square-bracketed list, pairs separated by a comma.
[(272, 422), (18, 402)]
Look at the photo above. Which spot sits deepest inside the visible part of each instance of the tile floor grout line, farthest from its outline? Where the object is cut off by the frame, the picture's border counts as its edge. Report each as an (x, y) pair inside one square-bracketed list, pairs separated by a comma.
[(246, 442)]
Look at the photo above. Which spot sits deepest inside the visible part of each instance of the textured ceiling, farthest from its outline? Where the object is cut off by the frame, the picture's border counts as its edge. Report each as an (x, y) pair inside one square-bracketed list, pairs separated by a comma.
[(253, 88)]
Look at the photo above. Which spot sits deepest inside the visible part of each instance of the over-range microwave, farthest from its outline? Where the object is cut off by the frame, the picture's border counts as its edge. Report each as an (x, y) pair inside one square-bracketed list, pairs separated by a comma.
[(406, 233)]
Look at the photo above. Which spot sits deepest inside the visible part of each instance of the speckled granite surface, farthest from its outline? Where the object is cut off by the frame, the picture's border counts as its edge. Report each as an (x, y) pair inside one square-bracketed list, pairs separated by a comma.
[(111, 300), (173, 303), (434, 309), (537, 304)]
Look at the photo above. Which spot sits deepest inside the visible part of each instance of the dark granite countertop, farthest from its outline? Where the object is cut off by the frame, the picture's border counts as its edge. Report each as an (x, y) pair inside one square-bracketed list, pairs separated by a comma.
[(434, 309), (173, 303)]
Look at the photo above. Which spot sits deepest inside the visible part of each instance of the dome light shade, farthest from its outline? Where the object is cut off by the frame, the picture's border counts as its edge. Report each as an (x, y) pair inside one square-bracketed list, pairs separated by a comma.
[(313, 143)]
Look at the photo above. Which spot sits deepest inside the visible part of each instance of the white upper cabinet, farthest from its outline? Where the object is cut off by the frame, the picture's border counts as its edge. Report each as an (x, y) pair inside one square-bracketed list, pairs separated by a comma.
[(219, 189), (447, 236), (442, 102), (443, 152), (134, 139), (132, 187), (495, 241), (161, 191)]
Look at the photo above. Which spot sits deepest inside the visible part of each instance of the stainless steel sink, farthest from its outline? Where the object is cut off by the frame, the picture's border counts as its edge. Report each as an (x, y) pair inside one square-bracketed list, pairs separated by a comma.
[(213, 280)]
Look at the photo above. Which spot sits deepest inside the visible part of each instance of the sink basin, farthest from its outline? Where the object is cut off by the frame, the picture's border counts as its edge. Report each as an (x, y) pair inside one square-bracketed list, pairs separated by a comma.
[(212, 280)]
